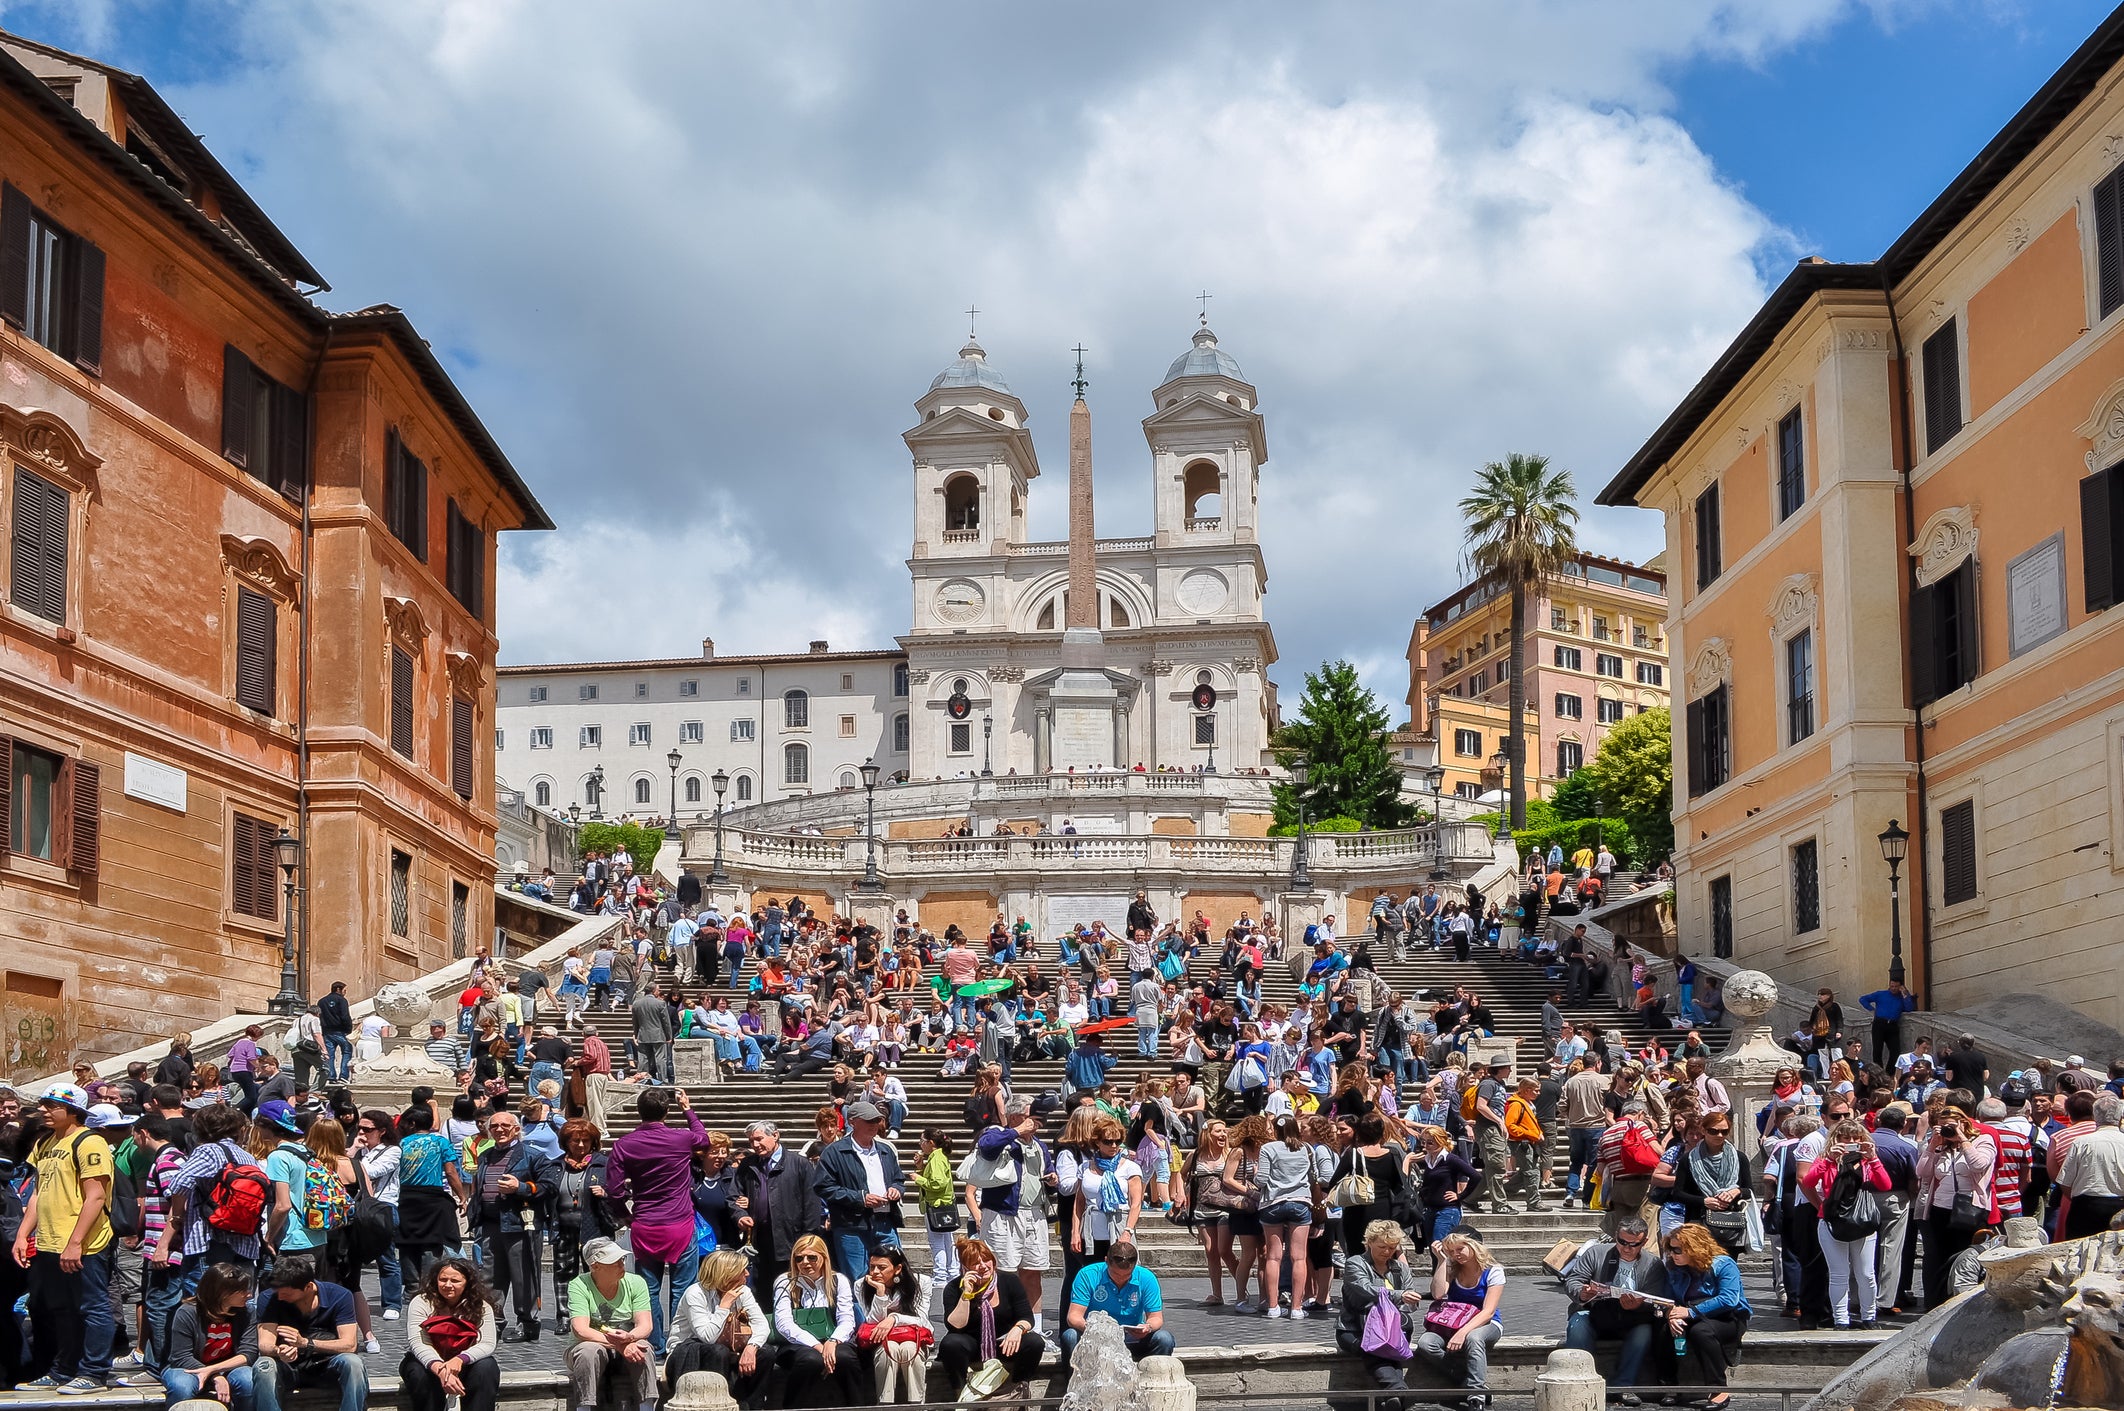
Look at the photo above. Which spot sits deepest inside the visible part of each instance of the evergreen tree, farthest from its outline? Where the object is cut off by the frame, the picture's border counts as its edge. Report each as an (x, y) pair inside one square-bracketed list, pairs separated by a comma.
[(1341, 729)]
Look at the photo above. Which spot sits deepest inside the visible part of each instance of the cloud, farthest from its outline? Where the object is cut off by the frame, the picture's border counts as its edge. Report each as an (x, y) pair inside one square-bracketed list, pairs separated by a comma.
[(697, 260)]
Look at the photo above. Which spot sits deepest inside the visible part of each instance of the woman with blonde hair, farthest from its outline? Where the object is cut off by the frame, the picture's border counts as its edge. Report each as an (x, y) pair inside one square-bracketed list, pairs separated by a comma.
[(1201, 1196), (1457, 1344), (719, 1327), (1247, 1139), (815, 1313)]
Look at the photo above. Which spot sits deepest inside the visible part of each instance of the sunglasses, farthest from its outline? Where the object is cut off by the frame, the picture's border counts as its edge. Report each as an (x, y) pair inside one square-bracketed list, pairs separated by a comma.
[(1629, 1243)]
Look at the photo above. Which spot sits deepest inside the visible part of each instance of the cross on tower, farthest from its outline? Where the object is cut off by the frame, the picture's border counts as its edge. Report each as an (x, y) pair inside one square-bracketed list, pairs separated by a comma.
[(1079, 384), (1204, 297), (971, 311)]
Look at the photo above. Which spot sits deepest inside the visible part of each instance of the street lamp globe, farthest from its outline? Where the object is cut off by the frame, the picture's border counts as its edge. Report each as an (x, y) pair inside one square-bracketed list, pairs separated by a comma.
[(288, 849), (1895, 843), (869, 770), (674, 759), (1300, 767), (720, 782)]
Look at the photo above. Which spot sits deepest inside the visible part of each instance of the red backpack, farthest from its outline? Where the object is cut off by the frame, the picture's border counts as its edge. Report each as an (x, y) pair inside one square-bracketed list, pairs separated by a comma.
[(240, 1196)]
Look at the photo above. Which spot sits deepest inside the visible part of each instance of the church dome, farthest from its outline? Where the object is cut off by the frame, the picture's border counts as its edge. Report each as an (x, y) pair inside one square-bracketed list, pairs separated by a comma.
[(971, 370), (1205, 359)]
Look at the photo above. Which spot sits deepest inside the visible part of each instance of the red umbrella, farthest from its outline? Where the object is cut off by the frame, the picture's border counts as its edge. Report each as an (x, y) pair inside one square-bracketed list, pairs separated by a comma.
[(1100, 1026)]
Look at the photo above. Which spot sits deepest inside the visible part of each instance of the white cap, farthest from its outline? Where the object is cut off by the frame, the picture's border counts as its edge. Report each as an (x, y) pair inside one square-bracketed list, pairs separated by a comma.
[(105, 1114)]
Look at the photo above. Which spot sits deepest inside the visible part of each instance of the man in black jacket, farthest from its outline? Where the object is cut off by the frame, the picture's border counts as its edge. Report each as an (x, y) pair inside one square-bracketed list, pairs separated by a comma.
[(859, 1179), (689, 889), (509, 1185), (1140, 915), (337, 1019), (780, 1191)]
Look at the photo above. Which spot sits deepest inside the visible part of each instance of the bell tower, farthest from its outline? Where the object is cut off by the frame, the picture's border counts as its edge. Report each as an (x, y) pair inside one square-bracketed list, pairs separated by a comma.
[(1207, 447), (973, 462)]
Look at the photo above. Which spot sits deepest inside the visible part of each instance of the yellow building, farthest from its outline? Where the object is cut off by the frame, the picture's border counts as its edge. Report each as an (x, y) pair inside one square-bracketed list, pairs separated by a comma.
[(1896, 509), (1595, 656)]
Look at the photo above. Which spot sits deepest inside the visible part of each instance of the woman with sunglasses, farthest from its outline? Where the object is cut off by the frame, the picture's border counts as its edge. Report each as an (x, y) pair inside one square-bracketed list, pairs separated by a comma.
[(1711, 1182), (376, 1152), (815, 1313), (1710, 1313), (1200, 1195), (986, 1315)]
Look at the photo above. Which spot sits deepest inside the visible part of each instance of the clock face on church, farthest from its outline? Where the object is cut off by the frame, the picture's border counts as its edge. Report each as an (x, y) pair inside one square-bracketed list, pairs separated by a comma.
[(959, 601)]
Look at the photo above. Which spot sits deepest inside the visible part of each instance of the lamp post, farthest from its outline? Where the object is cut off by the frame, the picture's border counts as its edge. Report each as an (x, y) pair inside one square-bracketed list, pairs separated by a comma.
[(597, 792), (871, 882), (719, 781), (1301, 880), (1895, 846), (988, 730), (674, 759), (287, 850), (1434, 779), (575, 813)]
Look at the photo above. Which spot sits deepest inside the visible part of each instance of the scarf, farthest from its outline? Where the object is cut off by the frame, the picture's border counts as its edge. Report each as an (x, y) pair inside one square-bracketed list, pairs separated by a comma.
[(1714, 1173), (1113, 1193), (986, 1307)]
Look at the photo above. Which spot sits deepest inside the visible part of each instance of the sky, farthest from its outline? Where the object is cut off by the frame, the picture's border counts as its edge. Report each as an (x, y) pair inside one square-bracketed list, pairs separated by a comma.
[(693, 261)]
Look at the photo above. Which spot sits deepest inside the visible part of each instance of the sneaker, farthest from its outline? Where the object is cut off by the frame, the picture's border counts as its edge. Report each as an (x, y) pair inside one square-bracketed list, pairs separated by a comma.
[(372, 1345), (390, 1315), (1298, 1315), (82, 1386), (46, 1382), (1277, 1311), (141, 1378), (1242, 1306), (129, 1363)]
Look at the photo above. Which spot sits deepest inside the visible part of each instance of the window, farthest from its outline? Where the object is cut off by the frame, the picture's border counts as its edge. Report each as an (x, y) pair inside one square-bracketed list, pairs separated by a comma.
[(586, 693), (848, 727), (744, 788), (1478, 683), (900, 733), (1468, 743), (1600, 628), (542, 794), (538, 695), (690, 732), (254, 869), (265, 427), (1722, 917), (962, 738), (1799, 687), (848, 779), (740, 729), (638, 733), (1710, 749), (1943, 635), (1943, 387), (498, 740), (2109, 241), (401, 894), (847, 681), (467, 569), (641, 690), (401, 702), (37, 563), (1791, 466), (1558, 622), (33, 809), (1806, 888), (1205, 729), (796, 765), (1570, 758), (1570, 707), (460, 919), (53, 282), (641, 791), (1958, 878), (405, 495), (693, 788), (461, 751), (899, 679), (744, 685), (256, 638), (1608, 712), (541, 737), (1651, 673), (51, 807), (796, 710), (689, 688), (2102, 534), (1608, 665), (590, 737), (1710, 552), (1568, 658)]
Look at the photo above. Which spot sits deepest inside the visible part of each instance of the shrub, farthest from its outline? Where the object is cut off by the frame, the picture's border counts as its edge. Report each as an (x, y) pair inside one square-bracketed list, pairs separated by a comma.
[(1590, 832), (1317, 825)]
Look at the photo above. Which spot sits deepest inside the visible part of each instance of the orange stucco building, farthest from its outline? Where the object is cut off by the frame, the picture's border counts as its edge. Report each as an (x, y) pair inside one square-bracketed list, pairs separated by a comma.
[(248, 588), (1895, 525)]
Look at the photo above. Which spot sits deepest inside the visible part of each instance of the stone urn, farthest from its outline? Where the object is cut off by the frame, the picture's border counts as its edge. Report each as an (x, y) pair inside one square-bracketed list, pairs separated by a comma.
[(1749, 1065), (389, 1080)]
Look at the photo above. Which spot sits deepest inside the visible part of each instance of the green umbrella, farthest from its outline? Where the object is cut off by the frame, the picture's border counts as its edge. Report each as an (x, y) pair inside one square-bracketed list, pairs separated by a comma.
[(983, 987)]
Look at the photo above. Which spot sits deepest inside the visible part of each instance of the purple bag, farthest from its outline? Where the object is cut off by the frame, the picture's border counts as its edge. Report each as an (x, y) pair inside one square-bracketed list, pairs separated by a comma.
[(1385, 1334)]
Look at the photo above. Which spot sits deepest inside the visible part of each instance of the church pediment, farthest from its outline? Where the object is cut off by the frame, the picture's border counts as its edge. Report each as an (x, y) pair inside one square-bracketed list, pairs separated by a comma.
[(1198, 411), (965, 428)]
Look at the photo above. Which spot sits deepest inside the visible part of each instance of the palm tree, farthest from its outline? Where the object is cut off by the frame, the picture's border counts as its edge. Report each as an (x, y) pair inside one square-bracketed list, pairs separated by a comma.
[(1521, 530)]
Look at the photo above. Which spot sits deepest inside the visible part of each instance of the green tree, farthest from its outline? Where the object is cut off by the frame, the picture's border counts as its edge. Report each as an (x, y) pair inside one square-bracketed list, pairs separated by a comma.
[(1341, 729), (638, 842), (1632, 775), (1521, 530)]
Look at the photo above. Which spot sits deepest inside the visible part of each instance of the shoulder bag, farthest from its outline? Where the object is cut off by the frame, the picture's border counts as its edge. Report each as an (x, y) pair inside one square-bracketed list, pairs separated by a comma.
[(1357, 1187)]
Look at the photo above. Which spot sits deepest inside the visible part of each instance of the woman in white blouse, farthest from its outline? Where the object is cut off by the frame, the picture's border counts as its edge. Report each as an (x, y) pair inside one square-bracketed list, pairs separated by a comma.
[(895, 1301), (720, 1327), (815, 1312)]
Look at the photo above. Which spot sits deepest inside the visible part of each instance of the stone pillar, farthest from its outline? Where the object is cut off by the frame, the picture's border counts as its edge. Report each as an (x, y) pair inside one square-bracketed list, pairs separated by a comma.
[(405, 1065), (693, 1062), (874, 908), (700, 1391), (1163, 1385), (1749, 1065), (1569, 1383)]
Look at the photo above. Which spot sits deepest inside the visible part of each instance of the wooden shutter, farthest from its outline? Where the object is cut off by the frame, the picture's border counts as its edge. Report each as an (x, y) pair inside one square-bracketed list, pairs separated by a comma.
[(38, 543), (243, 880), (14, 255), (1943, 387), (2101, 515), (1962, 583), (394, 488), (88, 307), (235, 406), (83, 807), (255, 651), (461, 724), (1924, 645), (2109, 241), (401, 702), (7, 793), (417, 507), (1958, 882), (291, 441), (1696, 747)]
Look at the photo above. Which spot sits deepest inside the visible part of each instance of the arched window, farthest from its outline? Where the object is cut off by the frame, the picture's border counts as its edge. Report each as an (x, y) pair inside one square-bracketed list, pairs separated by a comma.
[(1047, 618), (542, 794), (796, 764), (899, 679), (693, 788), (641, 791), (962, 503), (1202, 490), (1116, 614), (744, 788), (900, 732), (848, 779), (796, 710)]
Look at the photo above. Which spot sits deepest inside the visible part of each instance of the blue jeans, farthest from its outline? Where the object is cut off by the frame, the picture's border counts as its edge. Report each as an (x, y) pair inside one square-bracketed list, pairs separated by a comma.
[(852, 1249), (1146, 1041), (389, 1273), (1585, 1145), (963, 1014), (180, 1385), (895, 1113), (1444, 1221), (1687, 1007), (1635, 1340), (1158, 1344), (346, 1368), (680, 1274), (339, 1056), (162, 1293)]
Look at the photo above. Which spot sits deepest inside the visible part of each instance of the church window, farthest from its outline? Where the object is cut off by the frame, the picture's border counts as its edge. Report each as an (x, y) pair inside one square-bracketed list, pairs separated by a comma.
[(1203, 489), (899, 679), (796, 764), (1205, 729), (693, 788), (542, 794), (641, 791), (744, 788), (962, 504), (1047, 618), (962, 738), (848, 779), (899, 732)]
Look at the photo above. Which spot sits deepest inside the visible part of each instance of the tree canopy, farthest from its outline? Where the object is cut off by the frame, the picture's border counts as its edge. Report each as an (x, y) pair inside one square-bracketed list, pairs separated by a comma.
[(1631, 777), (1341, 729)]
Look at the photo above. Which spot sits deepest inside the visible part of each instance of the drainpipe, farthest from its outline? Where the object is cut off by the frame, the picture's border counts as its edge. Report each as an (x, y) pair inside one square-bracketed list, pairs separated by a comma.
[(1921, 903), (302, 678)]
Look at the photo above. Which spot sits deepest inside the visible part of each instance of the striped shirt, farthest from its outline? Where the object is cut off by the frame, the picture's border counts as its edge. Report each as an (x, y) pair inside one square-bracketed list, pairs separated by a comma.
[(154, 1193), (446, 1052), (2011, 1169), (197, 1176)]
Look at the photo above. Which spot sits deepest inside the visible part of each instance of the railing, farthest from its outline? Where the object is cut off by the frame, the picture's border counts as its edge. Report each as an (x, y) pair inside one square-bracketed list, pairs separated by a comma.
[(962, 536), (1206, 522), (1265, 852)]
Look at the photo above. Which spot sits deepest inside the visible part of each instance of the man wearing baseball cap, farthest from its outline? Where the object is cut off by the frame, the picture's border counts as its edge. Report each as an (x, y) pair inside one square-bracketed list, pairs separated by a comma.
[(1491, 1096), (860, 1181), (65, 1243)]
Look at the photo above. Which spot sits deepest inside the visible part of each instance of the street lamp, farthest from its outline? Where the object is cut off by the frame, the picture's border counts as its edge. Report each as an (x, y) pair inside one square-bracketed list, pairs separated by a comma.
[(988, 729), (287, 850), (575, 813), (674, 759), (719, 781), (1434, 779), (870, 882), (597, 792), (1895, 846), (1301, 880)]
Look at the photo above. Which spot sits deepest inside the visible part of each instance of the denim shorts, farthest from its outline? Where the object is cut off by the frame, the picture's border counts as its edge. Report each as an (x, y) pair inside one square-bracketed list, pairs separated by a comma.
[(1287, 1212)]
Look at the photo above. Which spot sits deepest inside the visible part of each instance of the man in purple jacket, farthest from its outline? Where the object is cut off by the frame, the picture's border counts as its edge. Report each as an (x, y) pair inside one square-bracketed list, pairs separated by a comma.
[(653, 1165)]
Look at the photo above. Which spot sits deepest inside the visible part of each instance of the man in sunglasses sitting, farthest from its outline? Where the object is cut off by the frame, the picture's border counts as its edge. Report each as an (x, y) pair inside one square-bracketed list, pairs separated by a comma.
[(1612, 1286)]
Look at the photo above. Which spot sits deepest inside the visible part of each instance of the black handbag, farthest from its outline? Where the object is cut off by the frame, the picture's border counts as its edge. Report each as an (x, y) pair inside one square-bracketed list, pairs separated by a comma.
[(1966, 1215), (941, 1219)]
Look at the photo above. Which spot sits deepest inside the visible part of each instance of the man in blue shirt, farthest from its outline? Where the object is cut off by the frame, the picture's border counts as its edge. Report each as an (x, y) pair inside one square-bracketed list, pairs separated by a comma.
[(1888, 1008), (1088, 1066), (1127, 1294)]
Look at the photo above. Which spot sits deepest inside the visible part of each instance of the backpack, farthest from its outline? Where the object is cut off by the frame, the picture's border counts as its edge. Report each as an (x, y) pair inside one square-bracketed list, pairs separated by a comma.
[(123, 1211), (1639, 1155), (1852, 1211), (325, 1206), (241, 1194), (1467, 1101), (12, 1178)]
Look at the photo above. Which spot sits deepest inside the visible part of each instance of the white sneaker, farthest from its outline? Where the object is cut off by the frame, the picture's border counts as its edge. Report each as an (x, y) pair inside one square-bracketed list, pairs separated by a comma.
[(1244, 1306), (372, 1345), (1298, 1315), (1277, 1311)]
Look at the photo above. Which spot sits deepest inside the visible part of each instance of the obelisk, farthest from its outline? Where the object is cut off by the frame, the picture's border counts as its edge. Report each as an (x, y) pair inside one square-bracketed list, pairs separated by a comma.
[(1083, 699), (1083, 539)]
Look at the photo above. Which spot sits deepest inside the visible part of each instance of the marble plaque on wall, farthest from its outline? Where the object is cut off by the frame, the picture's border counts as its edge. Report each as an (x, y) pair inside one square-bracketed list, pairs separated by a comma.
[(2035, 596)]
